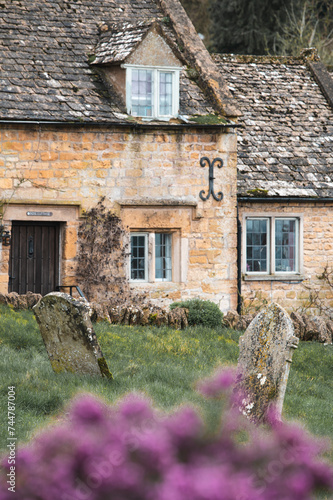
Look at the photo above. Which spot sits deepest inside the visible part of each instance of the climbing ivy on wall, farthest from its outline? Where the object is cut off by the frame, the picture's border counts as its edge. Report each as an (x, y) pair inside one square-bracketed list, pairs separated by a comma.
[(102, 254)]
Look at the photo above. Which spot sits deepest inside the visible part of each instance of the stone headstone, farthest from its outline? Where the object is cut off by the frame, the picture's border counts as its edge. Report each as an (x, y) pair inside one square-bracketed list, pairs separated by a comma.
[(68, 335), (266, 350)]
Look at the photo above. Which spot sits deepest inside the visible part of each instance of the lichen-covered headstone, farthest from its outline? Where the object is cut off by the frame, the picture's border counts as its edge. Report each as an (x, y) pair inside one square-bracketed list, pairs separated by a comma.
[(68, 335), (266, 350)]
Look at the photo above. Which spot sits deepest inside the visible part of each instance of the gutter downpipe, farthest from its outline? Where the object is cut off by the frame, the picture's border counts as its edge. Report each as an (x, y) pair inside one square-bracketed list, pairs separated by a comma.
[(239, 262)]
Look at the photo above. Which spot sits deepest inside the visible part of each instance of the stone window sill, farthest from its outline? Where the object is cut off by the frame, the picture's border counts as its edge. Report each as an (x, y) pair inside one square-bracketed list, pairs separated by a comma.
[(274, 277)]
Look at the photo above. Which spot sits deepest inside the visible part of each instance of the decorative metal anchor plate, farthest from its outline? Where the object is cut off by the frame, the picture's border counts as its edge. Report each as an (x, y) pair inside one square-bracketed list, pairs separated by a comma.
[(219, 163)]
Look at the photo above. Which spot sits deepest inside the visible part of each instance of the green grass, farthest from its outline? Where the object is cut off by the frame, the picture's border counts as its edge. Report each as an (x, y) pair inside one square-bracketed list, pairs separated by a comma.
[(163, 363), (309, 395)]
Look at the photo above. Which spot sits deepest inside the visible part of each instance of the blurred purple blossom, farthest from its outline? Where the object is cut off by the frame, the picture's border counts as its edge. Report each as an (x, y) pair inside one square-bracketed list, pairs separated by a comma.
[(217, 385), (133, 452)]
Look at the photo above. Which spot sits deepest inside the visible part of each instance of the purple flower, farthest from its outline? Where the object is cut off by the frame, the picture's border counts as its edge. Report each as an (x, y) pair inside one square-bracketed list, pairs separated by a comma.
[(217, 385), (87, 410), (133, 452)]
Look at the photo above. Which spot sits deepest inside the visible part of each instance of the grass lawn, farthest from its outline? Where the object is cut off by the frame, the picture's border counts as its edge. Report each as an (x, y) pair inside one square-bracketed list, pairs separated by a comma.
[(161, 362)]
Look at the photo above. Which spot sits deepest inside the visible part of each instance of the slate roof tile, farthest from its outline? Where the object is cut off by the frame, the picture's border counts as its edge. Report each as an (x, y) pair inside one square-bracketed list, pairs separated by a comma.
[(118, 41), (44, 56), (286, 115)]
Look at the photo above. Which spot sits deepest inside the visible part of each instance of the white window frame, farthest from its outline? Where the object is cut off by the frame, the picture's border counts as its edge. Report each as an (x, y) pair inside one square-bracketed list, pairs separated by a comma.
[(163, 279), (146, 257), (150, 257), (271, 272), (156, 70)]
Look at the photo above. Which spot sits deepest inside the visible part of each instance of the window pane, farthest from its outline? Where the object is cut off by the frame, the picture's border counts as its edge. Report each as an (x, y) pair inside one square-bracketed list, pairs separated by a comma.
[(165, 93), (138, 256), (256, 237), (257, 226), (285, 245), (163, 270), (142, 93), (256, 245)]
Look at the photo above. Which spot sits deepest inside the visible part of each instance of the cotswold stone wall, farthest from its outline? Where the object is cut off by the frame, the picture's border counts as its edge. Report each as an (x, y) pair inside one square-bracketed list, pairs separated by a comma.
[(307, 327), (152, 179), (316, 247)]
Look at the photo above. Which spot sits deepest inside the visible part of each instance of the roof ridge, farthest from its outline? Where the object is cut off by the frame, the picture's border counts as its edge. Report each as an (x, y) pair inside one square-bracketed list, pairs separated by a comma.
[(209, 78), (304, 57), (308, 57)]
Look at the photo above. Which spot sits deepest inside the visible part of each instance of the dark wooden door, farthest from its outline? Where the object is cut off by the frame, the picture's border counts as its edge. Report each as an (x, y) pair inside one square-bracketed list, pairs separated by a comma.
[(34, 257)]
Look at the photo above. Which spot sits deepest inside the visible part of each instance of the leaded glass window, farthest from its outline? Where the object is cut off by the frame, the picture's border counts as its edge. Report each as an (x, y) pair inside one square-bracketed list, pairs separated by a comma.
[(285, 245), (139, 257), (152, 92), (151, 253), (256, 245), (272, 245), (165, 95), (142, 92), (163, 269)]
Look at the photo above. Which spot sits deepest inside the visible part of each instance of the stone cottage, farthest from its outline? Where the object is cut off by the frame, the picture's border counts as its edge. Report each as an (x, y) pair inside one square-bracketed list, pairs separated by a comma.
[(118, 100), (285, 176), (121, 100)]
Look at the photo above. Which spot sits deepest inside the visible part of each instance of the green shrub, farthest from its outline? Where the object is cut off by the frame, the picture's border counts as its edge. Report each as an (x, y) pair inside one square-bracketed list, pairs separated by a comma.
[(201, 312)]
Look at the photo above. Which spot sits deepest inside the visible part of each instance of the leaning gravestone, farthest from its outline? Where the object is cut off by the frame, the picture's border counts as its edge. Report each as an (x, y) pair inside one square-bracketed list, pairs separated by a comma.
[(68, 335), (266, 350)]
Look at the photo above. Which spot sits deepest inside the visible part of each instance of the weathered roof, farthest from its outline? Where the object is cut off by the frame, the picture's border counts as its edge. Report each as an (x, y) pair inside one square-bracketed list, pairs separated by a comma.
[(286, 145), (118, 41), (44, 59)]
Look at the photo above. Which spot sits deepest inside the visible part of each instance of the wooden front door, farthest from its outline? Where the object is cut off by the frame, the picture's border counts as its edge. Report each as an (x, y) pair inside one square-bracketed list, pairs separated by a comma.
[(34, 257)]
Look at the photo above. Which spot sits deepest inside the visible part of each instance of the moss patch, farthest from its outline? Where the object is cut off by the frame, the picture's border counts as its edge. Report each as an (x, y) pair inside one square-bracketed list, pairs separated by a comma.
[(91, 58), (59, 367), (152, 318), (258, 192), (209, 119), (192, 74), (104, 368)]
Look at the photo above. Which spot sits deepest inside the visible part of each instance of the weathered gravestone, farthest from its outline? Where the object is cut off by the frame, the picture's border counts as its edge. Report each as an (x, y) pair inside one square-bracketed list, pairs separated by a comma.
[(266, 350), (68, 335)]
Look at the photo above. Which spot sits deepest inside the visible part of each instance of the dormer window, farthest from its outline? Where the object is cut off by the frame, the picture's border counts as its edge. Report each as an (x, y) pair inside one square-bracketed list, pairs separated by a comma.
[(140, 64), (152, 92)]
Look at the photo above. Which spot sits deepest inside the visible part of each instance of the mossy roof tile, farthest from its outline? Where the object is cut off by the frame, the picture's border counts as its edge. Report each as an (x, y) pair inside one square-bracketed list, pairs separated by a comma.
[(287, 125), (45, 49)]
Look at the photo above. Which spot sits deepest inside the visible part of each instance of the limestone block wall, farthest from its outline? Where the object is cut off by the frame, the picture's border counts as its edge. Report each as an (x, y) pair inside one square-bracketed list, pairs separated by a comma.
[(316, 247), (151, 177)]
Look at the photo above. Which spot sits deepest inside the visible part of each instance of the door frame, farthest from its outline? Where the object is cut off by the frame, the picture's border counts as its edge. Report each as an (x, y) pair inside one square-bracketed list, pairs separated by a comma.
[(57, 256), (67, 213)]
